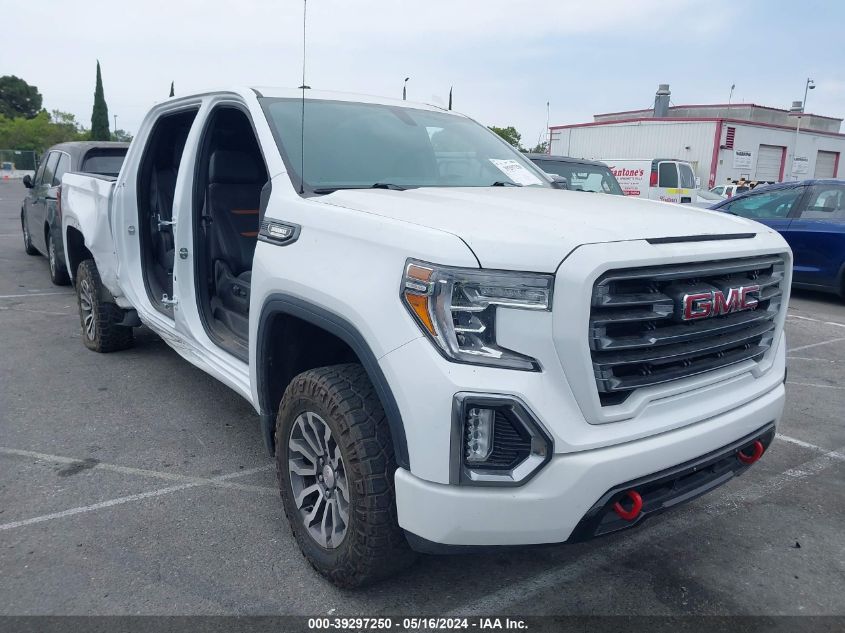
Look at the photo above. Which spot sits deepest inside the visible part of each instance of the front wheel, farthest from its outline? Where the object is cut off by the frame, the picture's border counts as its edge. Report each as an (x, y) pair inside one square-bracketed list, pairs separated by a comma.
[(100, 319), (335, 467), (58, 271)]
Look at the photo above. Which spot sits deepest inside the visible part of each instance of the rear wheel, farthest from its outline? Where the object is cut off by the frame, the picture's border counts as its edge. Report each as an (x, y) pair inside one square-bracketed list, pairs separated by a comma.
[(27, 239), (58, 272), (100, 319), (335, 466)]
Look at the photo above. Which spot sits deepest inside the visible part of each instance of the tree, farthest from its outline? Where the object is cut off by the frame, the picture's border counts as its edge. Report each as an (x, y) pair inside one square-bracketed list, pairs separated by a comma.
[(100, 113), (172, 93), (121, 135), (40, 132), (18, 98), (509, 134), (540, 148)]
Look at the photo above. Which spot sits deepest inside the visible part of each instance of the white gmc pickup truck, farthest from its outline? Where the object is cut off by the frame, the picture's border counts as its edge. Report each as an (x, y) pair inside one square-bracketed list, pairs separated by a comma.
[(442, 349)]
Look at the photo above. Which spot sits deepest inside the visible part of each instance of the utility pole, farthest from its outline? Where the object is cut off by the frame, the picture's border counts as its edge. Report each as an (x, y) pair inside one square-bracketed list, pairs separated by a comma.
[(799, 108), (115, 124)]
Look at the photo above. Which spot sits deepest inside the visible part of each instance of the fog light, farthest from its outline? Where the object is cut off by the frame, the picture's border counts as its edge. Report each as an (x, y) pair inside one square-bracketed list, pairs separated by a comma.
[(479, 434)]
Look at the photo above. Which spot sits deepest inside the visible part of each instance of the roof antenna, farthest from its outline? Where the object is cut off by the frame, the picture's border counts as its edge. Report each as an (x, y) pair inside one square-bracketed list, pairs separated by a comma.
[(303, 87)]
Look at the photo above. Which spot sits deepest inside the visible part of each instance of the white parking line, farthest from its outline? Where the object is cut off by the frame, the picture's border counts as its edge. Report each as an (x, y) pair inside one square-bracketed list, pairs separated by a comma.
[(37, 294), (128, 470), (818, 449), (219, 480), (815, 360), (801, 347), (98, 506), (813, 384), (516, 593), (803, 318)]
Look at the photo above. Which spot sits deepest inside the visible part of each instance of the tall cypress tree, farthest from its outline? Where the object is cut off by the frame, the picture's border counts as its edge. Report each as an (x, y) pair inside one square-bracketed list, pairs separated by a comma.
[(172, 93), (100, 113)]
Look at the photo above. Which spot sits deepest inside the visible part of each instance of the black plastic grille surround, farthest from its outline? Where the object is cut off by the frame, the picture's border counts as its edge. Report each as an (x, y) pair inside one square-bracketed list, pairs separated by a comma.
[(638, 337)]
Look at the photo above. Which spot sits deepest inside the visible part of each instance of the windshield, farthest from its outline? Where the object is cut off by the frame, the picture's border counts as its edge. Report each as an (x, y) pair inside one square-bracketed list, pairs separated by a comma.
[(352, 145), (580, 177)]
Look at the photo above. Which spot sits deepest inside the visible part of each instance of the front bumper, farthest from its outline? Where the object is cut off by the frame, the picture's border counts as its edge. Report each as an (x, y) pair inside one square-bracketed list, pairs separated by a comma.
[(549, 507)]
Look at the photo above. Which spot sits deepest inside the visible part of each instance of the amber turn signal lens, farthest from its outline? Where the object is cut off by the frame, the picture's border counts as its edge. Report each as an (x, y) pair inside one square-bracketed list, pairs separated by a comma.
[(419, 304)]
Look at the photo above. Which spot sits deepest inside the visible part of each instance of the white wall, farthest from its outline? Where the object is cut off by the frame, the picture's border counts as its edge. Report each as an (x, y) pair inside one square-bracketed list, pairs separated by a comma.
[(750, 137), (690, 141), (670, 139)]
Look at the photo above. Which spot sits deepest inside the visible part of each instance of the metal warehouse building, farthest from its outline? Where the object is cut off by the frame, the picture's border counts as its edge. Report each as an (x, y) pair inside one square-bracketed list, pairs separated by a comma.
[(721, 141)]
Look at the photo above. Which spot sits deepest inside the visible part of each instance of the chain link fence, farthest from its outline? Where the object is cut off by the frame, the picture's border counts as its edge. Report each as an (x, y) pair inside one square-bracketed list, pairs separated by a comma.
[(17, 163)]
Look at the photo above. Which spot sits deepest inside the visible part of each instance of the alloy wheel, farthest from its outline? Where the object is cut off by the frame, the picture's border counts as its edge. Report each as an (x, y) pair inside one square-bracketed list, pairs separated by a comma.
[(86, 306), (318, 480)]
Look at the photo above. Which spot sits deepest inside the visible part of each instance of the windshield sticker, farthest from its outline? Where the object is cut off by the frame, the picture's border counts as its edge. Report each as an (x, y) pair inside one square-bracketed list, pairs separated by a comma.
[(515, 171)]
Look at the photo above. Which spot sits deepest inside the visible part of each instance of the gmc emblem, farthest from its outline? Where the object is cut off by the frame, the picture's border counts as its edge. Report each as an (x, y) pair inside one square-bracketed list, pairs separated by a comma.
[(702, 305)]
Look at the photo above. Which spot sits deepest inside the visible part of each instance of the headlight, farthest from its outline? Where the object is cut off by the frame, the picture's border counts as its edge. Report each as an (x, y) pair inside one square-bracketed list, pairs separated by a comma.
[(456, 308)]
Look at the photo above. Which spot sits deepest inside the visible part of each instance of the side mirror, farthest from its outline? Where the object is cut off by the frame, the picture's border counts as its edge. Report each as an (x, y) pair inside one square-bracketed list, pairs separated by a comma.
[(27, 181), (559, 182)]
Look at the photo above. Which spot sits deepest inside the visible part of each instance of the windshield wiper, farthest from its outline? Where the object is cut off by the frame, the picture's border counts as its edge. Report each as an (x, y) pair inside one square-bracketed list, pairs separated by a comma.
[(378, 185), (505, 183)]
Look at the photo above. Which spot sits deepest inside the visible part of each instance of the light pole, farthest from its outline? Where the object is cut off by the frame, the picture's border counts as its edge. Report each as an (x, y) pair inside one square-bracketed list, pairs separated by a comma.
[(115, 123), (798, 108), (405, 89)]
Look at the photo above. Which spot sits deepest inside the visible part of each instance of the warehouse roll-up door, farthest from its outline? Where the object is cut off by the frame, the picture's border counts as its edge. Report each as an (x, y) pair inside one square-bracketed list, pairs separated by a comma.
[(769, 160), (826, 164)]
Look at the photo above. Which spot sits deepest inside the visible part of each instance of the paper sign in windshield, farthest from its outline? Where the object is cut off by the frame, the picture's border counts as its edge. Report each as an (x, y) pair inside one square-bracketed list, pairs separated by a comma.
[(516, 172)]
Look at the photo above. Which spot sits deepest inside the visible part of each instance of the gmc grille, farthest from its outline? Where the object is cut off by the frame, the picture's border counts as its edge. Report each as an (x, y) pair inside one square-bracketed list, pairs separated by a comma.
[(639, 338)]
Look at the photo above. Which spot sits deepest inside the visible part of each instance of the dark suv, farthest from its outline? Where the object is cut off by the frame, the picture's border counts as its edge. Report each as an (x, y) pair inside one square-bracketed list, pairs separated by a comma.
[(580, 174), (41, 213)]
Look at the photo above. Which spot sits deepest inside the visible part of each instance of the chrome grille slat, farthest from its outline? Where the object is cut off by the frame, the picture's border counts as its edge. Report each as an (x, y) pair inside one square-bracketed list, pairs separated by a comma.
[(637, 382), (637, 338), (682, 332), (657, 355)]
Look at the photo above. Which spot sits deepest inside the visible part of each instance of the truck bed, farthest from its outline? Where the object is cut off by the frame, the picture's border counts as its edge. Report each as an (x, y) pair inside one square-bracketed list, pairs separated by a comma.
[(87, 208)]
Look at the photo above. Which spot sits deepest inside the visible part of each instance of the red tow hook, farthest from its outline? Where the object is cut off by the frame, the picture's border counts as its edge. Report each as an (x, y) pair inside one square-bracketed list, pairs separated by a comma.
[(634, 512), (757, 453)]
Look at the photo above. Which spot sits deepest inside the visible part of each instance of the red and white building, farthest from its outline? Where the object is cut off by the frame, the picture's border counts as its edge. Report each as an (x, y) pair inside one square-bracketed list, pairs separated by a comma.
[(721, 141)]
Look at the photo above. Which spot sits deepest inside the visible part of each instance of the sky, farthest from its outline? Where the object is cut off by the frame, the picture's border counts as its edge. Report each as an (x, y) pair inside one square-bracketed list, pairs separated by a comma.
[(505, 59)]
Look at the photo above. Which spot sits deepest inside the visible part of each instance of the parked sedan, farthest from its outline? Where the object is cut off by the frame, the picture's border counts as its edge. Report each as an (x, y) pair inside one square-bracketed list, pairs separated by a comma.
[(41, 214), (810, 214), (580, 174)]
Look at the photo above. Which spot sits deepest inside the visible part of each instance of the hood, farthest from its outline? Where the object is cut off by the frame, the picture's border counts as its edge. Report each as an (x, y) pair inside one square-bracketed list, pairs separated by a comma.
[(534, 229)]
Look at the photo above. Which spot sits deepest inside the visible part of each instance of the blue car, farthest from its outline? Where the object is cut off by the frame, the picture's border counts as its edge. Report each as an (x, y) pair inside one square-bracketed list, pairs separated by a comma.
[(810, 214)]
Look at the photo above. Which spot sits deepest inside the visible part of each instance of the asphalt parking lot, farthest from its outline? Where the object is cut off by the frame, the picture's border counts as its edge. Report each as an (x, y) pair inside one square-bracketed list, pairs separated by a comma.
[(133, 483)]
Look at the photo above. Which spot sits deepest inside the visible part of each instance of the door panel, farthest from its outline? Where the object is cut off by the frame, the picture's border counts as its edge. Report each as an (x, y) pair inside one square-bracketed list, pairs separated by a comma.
[(817, 236), (39, 210)]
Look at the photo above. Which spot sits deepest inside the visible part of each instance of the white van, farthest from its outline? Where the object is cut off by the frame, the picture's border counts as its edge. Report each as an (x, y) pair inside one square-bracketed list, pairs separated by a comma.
[(663, 179)]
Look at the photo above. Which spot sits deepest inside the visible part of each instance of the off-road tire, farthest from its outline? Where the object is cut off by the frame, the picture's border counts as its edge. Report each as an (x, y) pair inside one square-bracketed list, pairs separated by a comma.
[(58, 271), (374, 545), (27, 239), (107, 335)]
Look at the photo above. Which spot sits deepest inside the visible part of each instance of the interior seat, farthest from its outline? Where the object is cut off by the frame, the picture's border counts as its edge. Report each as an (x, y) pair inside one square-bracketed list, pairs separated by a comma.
[(235, 180)]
